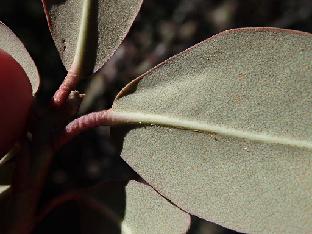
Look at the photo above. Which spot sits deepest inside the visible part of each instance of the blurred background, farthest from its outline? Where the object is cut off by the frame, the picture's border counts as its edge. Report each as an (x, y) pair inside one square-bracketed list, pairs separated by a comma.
[(162, 29)]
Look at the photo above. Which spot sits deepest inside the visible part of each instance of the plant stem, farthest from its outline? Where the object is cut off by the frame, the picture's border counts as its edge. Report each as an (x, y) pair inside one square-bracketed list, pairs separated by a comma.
[(56, 202), (34, 162), (83, 123), (83, 199), (21, 209), (79, 62), (70, 82)]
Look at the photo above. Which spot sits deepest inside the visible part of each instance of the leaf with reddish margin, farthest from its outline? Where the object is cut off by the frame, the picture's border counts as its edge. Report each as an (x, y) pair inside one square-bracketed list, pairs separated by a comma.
[(87, 33), (132, 208), (10, 43), (223, 129), (7, 166)]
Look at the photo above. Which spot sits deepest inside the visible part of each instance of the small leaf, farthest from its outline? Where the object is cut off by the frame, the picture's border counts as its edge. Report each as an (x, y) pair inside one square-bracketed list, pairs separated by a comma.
[(223, 129), (135, 208), (89, 31), (12, 45), (6, 174), (4, 188), (7, 165)]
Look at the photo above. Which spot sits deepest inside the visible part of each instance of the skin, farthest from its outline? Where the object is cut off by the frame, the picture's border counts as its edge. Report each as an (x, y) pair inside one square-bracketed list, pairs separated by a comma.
[(15, 101)]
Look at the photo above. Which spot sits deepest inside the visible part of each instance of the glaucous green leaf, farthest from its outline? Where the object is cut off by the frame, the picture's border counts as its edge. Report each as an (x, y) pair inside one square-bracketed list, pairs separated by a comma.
[(89, 31), (10, 43), (3, 188), (133, 209), (7, 166), (6, 173), (223, 130)]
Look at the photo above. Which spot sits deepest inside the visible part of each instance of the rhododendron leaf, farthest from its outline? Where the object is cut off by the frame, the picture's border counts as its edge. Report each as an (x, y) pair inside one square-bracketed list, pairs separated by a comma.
[(134, 208), (87, 32), (4, 188), (223, 130), (7, 165), (10, 43)]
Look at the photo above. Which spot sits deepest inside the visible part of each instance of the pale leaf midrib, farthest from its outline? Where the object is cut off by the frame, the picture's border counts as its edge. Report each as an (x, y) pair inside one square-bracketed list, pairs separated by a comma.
[(200, 126), (82, 36)]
